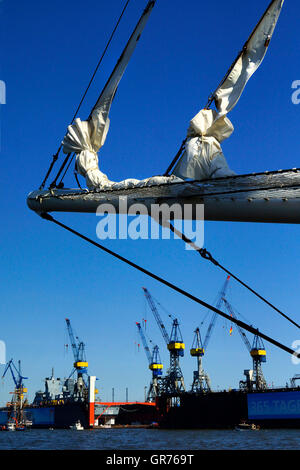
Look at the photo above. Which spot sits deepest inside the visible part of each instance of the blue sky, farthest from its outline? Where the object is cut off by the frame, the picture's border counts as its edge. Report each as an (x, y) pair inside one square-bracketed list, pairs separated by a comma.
[(48, 53)]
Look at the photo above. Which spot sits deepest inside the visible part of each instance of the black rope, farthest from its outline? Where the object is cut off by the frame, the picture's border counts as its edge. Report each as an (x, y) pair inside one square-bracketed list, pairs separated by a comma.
[(247, 327), (178, 154), (77, 180), (206, 255), (54, 158), (53, 184), (60, 184)]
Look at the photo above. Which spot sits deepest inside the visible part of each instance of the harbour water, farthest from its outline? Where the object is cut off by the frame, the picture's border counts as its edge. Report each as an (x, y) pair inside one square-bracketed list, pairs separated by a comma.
[(150, 439)]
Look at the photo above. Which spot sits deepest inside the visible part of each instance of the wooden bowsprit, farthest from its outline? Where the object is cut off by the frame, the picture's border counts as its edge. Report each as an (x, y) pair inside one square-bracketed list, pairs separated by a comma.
[(262, 197)]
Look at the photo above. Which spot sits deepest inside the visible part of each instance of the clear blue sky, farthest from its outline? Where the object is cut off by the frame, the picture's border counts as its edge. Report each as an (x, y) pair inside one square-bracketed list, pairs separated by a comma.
[(49, 50)]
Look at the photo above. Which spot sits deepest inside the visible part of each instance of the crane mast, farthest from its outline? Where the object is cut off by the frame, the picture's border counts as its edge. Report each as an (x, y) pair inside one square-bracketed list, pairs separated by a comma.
[(155, 365), (201, 380), (173, 382), (156, 316)]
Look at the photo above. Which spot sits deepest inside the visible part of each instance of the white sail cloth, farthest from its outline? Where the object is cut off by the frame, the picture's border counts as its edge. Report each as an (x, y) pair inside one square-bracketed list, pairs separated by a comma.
[(203, 157), (252, 55), (85, 138), (85, 142)]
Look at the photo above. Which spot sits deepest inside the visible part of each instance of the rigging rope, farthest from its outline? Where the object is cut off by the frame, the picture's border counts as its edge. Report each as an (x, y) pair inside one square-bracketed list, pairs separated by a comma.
[(247, 327), (178, 154), (55, 157), (206, 255)]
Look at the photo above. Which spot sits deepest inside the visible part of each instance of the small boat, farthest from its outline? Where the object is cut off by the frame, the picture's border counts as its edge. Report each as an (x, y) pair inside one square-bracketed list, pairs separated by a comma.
[(10, 426), (77, 426), (247, 427), (28, 423)]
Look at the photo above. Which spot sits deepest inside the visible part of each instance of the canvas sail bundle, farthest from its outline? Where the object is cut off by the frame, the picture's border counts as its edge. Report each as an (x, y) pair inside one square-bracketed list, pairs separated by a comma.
[(203, 157)]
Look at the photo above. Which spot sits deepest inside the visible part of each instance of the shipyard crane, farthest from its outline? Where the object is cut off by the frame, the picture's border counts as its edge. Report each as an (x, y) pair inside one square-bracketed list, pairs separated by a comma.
[(155, 365), (17, 377), (173, 382), (201, 381), (19, 391), (254, 379), (80, 363)]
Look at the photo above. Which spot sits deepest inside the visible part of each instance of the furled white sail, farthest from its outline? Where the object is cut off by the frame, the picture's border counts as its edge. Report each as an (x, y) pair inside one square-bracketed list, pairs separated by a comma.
[(85, 138), (203, 157), (228, 93)]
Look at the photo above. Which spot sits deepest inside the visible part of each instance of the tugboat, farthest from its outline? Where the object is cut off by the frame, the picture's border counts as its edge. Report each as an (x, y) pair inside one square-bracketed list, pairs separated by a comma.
[(77, 426)]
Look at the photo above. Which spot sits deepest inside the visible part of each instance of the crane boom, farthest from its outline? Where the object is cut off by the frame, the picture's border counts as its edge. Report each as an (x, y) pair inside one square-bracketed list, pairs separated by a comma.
[(214, 317), (157, 316), (144, 341), (72, 339), (18, 381), (240, 330), (258, 354), (78, 349)]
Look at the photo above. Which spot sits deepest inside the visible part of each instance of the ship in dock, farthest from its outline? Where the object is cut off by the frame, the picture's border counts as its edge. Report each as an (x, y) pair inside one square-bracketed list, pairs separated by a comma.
[(61, 405), (253, 405), (65, 402)]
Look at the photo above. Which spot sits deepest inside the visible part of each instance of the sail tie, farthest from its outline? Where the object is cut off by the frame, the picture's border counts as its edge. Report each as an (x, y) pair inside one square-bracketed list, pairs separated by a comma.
[(203, 157)]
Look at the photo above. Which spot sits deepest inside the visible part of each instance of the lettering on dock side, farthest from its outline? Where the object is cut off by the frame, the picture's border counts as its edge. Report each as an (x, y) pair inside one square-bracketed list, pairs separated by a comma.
[(274, 405)]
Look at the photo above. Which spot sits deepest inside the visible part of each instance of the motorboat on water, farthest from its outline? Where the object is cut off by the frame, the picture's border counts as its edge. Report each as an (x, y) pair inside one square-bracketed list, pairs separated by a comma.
[(77, 426)]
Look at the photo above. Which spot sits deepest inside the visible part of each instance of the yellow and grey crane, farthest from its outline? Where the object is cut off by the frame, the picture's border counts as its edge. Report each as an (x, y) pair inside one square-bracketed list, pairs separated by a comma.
[(80, 363), (155, 365), (254, 378), (201, 380), (173, 382)]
